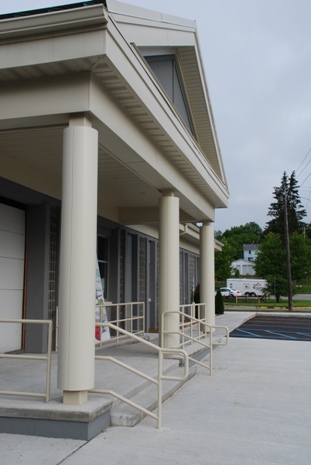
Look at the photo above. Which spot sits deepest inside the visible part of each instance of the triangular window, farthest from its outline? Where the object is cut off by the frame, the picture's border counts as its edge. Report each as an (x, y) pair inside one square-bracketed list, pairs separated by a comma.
[(166, 70)]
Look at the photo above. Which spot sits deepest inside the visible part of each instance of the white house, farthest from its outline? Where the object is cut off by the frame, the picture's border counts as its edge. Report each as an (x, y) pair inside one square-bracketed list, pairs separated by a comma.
[(244, 267), (250, 252)]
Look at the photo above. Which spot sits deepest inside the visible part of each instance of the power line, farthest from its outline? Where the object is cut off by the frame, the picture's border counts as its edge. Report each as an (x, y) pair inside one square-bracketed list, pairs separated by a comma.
[(303, 162), (304, 168), (305, 179)]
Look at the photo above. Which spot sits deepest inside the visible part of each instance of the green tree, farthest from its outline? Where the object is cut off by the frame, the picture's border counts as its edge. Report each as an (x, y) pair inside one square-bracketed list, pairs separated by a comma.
[(237, 236), (277, 286), (270, 264), (223, 261), (306, 230), (219, 303), (288, 191), (300, 254), (271, 258)]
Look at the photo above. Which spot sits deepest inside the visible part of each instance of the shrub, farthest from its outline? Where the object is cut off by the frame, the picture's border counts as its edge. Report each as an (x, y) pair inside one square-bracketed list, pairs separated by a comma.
[(219, 303)]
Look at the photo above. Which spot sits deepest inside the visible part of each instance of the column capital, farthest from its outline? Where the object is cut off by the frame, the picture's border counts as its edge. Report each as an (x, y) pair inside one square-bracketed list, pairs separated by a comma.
[(80, 119), (207, 223), (168, 193)]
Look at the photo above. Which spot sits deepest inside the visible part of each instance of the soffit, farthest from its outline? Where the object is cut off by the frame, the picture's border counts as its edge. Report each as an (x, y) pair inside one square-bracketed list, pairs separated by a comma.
[(39, 150), (199, 110)]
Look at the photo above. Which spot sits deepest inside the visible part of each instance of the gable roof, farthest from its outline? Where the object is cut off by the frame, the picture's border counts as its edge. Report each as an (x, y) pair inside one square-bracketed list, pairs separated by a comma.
[(156, 33), (253, 247)]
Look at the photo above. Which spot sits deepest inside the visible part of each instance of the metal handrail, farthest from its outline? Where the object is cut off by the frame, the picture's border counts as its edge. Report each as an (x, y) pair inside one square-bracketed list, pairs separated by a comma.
[(128, 319), (161, 352), (46, 357), (131, 318), (199, 323), (194, 307)]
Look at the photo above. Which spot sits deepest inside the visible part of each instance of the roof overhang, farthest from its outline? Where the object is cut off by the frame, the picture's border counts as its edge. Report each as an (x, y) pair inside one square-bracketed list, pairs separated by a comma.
[(58, 49)]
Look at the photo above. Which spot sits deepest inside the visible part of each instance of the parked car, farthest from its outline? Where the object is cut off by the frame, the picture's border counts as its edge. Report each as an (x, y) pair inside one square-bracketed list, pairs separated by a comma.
[(228, 292)]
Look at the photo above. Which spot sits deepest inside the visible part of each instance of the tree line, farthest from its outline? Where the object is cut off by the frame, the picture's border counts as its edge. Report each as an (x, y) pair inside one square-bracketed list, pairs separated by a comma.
[(270, 263)]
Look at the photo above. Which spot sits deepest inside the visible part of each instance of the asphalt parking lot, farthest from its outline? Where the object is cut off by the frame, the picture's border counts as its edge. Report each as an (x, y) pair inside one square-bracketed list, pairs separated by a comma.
[(287, 328)]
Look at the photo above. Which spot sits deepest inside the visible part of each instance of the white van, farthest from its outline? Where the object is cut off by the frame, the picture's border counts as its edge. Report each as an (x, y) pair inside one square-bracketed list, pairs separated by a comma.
[(248, 287)]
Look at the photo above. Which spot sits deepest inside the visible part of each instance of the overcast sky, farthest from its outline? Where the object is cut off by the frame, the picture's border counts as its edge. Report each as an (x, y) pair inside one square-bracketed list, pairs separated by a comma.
[(257, 60)]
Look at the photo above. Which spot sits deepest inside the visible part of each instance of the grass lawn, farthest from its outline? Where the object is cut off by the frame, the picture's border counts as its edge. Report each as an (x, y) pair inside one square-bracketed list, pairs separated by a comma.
[(270, 304), (304, 289)]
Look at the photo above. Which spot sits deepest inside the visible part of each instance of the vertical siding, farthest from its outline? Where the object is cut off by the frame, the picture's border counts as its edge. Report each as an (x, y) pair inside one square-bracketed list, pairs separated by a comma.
[(142, 270), (52, 269), (122, 265)]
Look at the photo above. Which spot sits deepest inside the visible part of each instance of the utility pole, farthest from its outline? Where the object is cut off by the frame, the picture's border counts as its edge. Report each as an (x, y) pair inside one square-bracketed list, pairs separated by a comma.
[(288, 267)]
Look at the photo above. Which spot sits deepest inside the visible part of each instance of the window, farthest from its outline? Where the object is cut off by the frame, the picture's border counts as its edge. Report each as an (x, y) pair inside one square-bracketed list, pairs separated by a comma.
[(102, 257), (166, 69)]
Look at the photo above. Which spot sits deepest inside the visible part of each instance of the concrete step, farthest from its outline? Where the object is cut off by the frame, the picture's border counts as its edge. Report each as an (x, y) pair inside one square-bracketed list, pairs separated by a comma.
[(20, 415), (123, 414)]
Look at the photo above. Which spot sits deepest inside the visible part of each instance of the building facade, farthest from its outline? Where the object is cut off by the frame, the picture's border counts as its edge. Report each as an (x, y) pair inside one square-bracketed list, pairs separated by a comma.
[(108, 150)]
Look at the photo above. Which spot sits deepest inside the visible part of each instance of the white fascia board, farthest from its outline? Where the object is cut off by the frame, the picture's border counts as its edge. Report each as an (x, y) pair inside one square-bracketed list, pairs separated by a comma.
[(55, 49), (44, 97), (145, 36), (49, 22), (193, 247), (218, 245), (126, 13), (191, 244), (209, 108), (146, 28)]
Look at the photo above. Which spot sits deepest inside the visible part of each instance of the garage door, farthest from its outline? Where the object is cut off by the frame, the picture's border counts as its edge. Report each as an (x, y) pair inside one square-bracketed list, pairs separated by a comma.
[(12, 251)]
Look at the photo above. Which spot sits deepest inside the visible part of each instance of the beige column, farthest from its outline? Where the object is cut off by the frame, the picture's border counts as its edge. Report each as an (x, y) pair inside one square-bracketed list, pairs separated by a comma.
[(76, 363), (169, 267), (207, 280)]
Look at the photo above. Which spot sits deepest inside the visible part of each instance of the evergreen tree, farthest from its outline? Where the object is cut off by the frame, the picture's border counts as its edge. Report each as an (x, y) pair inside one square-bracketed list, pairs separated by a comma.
[(287, 191)]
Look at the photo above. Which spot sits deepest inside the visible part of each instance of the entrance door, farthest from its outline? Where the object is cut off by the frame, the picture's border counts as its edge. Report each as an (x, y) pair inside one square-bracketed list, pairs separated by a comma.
[(12, 252)]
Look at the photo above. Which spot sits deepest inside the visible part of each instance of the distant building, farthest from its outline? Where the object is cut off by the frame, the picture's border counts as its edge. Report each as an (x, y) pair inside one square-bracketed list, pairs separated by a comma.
[(245, 268), (250, 252)]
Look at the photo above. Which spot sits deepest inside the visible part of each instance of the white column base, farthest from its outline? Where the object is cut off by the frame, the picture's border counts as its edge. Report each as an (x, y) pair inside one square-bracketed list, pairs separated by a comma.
[(75, 397)]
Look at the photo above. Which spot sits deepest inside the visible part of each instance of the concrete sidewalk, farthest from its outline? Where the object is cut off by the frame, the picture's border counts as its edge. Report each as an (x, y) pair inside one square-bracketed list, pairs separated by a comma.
[(255, 409)]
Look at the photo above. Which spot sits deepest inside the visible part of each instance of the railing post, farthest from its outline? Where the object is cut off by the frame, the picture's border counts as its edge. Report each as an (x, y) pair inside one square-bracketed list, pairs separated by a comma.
[(47, 358), (48, 369), (211, 351), (118, 321), (158, 381), (160, 368), (56, 328)]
